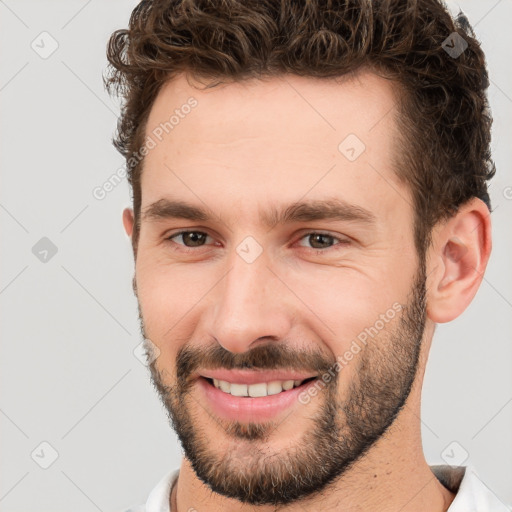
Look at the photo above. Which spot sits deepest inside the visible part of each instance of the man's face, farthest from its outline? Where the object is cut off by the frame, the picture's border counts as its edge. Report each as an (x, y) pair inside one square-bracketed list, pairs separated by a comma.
[(306, 296)]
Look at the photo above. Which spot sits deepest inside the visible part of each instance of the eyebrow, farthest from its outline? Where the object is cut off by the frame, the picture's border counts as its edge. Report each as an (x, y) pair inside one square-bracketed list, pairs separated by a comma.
[(302, 211)]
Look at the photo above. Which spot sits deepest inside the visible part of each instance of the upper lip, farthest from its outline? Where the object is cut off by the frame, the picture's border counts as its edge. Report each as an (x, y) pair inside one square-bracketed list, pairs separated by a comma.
[(254, 377)]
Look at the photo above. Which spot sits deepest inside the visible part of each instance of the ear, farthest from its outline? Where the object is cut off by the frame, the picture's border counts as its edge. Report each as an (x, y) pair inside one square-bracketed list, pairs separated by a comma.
[(128, 221), (457, 260)]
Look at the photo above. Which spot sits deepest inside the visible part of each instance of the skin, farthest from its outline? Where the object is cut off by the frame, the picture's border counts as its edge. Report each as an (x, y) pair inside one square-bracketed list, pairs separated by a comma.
[(259, 143)]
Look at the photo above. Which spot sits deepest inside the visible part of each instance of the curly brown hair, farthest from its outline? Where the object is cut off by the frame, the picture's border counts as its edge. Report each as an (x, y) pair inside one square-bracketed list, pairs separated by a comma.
[(445, 155)]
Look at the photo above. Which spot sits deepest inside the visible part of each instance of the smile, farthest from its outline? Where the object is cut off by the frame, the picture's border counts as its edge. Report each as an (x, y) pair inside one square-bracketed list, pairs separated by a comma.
[(255, 401), (257, 390)]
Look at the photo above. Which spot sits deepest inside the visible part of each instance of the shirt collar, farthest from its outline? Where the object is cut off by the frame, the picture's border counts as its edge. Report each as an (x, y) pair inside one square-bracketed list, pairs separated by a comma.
[(471, 493)]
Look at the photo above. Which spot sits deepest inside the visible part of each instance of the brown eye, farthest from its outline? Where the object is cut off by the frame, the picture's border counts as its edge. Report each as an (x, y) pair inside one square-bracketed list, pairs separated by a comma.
[(319, 241), (190, 238)]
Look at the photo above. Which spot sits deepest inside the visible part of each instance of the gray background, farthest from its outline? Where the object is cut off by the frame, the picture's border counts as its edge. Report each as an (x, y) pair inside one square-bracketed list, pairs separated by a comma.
[(69, 376)]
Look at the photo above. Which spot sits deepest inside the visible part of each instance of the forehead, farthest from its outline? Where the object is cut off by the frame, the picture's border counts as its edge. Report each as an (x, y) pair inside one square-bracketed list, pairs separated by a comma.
[(327, 108), (281, 137)]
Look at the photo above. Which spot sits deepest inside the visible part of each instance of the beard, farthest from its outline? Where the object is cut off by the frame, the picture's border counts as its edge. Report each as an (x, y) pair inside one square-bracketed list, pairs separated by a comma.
[(341, 430)]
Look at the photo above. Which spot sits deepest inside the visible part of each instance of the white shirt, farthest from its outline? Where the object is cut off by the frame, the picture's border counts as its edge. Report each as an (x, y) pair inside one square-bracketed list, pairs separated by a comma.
[(471, 494)]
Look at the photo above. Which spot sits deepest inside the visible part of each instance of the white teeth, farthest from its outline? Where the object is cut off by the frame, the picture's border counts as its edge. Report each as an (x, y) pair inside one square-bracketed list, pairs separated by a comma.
[(238, 389), (288, 384), (225, 386), (256, 390), (274, 387)]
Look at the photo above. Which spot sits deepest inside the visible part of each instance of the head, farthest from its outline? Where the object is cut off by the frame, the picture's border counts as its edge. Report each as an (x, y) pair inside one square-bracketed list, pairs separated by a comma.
[(263, 129)]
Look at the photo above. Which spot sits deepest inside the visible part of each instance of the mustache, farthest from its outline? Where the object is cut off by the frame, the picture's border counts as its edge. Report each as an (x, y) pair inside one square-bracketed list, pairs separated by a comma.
[(271, 356)]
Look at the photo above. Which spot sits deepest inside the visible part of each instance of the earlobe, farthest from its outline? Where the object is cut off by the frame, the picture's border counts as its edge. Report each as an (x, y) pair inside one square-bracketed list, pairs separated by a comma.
[(461, 250), (128, 221)]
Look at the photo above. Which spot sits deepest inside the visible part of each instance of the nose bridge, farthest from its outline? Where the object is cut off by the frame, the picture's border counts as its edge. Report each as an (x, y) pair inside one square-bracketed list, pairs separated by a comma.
[(248, 305)]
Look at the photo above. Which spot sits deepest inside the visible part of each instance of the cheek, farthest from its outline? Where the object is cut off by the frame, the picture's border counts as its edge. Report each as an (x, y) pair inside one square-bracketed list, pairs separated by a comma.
[(339, 304), (353, 314), (167, 298)]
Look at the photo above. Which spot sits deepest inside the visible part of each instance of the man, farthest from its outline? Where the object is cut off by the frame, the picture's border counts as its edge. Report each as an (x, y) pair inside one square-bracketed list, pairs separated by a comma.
[(309, 201)]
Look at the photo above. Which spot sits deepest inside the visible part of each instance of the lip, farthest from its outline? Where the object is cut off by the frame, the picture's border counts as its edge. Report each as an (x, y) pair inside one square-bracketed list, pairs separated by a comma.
[(249, 409), (254, 377)]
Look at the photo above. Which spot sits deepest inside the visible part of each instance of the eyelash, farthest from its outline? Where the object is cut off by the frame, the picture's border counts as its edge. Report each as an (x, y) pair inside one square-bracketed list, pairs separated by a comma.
[(186, 249)]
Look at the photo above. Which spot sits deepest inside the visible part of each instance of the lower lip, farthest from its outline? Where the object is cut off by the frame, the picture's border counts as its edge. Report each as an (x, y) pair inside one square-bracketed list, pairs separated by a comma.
[(244, 408)]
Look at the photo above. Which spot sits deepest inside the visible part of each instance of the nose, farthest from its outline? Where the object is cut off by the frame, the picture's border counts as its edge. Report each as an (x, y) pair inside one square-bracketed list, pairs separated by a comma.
[(252, 303)]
